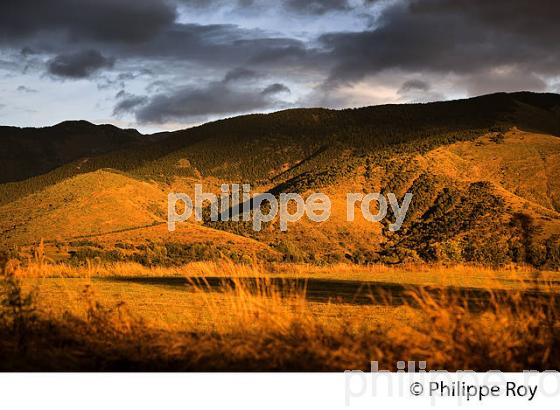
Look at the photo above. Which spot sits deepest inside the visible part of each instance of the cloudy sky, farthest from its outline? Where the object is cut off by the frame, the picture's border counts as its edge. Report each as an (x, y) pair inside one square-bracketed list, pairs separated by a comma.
[(168, 64)]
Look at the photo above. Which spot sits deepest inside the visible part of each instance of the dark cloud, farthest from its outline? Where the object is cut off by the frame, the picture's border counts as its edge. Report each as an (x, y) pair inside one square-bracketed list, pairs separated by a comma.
[(414, 85), (316, 6), (216, 98), (219, 46), (286, 52), (304, 7), (242, 74), (81, 64), (275, 88), (127, 21), (451, 36), (139, 29), (213, 4), (128, 103), (441, 36)]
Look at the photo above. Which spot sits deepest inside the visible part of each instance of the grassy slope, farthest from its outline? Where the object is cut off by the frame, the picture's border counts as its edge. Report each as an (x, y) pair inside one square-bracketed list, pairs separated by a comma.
[(92, 203), (108, 214)]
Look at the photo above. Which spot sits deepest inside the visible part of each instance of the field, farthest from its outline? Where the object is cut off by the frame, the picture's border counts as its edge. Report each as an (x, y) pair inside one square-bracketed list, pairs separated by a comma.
[(224, 316)]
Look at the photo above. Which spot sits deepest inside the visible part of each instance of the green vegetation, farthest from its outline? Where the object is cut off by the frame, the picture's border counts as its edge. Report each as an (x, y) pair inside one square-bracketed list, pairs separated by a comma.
[(158, 254)]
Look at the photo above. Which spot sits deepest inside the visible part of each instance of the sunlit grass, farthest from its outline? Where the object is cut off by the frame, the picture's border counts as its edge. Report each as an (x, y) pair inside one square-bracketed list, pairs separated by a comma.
[(255, 318), (459, 275)]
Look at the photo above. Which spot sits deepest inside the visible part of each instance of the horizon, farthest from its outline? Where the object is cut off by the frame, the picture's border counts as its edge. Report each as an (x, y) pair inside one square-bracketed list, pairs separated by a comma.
[(139, 129)]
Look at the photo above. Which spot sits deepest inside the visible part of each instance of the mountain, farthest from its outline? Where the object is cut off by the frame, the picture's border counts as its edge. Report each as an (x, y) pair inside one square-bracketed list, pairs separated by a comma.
[(26, 152), (301, 147), (483, 171)]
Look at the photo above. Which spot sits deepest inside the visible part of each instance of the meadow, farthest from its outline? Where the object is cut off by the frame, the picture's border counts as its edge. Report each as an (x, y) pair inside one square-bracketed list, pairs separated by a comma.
[(222, 316)]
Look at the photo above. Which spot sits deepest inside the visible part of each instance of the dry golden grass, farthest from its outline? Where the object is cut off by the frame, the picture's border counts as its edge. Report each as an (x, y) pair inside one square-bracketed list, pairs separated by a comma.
[(106, 195), (515, 277), (521, 164), (192, 303), (523, 168), (252, 320)]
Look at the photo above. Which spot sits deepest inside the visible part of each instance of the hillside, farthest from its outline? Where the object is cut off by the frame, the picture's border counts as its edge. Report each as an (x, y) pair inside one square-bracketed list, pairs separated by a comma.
[(491, 200), (87, 204), (26, 152), (110, 215), (483, 171)]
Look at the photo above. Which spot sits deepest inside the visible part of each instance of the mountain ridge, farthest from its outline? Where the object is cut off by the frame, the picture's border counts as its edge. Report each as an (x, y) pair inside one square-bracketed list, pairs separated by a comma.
[(288, 138), (481, 171)]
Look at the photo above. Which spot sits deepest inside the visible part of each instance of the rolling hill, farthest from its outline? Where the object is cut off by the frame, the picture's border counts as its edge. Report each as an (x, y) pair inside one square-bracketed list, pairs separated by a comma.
[(26, 152), (483, 171)]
